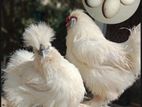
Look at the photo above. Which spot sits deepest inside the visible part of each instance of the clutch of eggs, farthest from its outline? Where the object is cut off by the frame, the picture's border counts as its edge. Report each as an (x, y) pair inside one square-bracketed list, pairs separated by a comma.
[(110, 7)]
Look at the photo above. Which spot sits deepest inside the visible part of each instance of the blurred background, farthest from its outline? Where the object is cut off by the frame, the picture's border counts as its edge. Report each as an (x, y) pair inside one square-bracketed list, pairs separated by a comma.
[(16, 15)]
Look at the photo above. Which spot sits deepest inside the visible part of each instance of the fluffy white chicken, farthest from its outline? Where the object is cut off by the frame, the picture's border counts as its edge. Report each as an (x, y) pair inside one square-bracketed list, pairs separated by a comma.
[(43, 78), (107, 68)]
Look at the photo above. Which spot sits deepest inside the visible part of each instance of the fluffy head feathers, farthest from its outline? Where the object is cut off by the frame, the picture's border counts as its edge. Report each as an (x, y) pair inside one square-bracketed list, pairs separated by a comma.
[(38, 34)]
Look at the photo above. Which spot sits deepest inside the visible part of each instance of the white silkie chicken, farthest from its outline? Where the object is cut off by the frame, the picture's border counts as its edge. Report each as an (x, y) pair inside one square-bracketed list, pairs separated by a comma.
[(107, 68), (43, 78)]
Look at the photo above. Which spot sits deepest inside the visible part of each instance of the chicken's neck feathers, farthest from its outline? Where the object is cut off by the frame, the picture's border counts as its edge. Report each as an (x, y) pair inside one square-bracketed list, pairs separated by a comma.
[(52, 58)]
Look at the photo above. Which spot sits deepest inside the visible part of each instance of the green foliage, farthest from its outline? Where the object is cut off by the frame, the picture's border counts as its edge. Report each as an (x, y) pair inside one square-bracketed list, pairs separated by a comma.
[(16, 15)]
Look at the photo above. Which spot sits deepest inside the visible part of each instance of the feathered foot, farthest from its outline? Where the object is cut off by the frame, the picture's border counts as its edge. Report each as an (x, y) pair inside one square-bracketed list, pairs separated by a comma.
[(83, 105), (97, 101)]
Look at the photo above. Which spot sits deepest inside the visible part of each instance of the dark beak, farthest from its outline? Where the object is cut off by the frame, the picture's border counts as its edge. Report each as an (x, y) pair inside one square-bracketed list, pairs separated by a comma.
[(41, 49)]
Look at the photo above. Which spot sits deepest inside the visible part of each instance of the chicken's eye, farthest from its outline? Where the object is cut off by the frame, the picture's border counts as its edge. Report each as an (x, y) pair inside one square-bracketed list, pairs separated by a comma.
[(73, 18)]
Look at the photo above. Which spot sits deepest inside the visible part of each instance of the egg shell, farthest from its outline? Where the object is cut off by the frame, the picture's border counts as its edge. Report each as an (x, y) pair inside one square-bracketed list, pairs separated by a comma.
[(127, 2), (110, 8), (94, 3)]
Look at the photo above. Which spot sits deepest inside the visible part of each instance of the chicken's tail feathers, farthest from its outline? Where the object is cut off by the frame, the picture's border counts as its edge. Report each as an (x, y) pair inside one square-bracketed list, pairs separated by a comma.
[(19, 57), (133, 47), (37, 34), (135, 38)]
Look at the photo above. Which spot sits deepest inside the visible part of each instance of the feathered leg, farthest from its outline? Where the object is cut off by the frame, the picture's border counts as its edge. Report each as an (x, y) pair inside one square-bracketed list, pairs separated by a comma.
[(97, 101)]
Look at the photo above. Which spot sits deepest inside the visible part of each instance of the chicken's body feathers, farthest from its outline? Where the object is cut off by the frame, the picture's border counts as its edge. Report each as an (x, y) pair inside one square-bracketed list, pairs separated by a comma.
[(107, 68), (47, 80)]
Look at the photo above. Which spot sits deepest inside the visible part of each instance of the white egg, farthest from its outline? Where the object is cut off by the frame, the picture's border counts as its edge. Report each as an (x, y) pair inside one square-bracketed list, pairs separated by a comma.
[(110, 8), (127, 2), (94, 3)]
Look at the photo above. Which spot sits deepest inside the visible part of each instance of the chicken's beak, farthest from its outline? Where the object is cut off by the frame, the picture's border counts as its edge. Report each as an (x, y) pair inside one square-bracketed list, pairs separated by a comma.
[(43, 51)]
